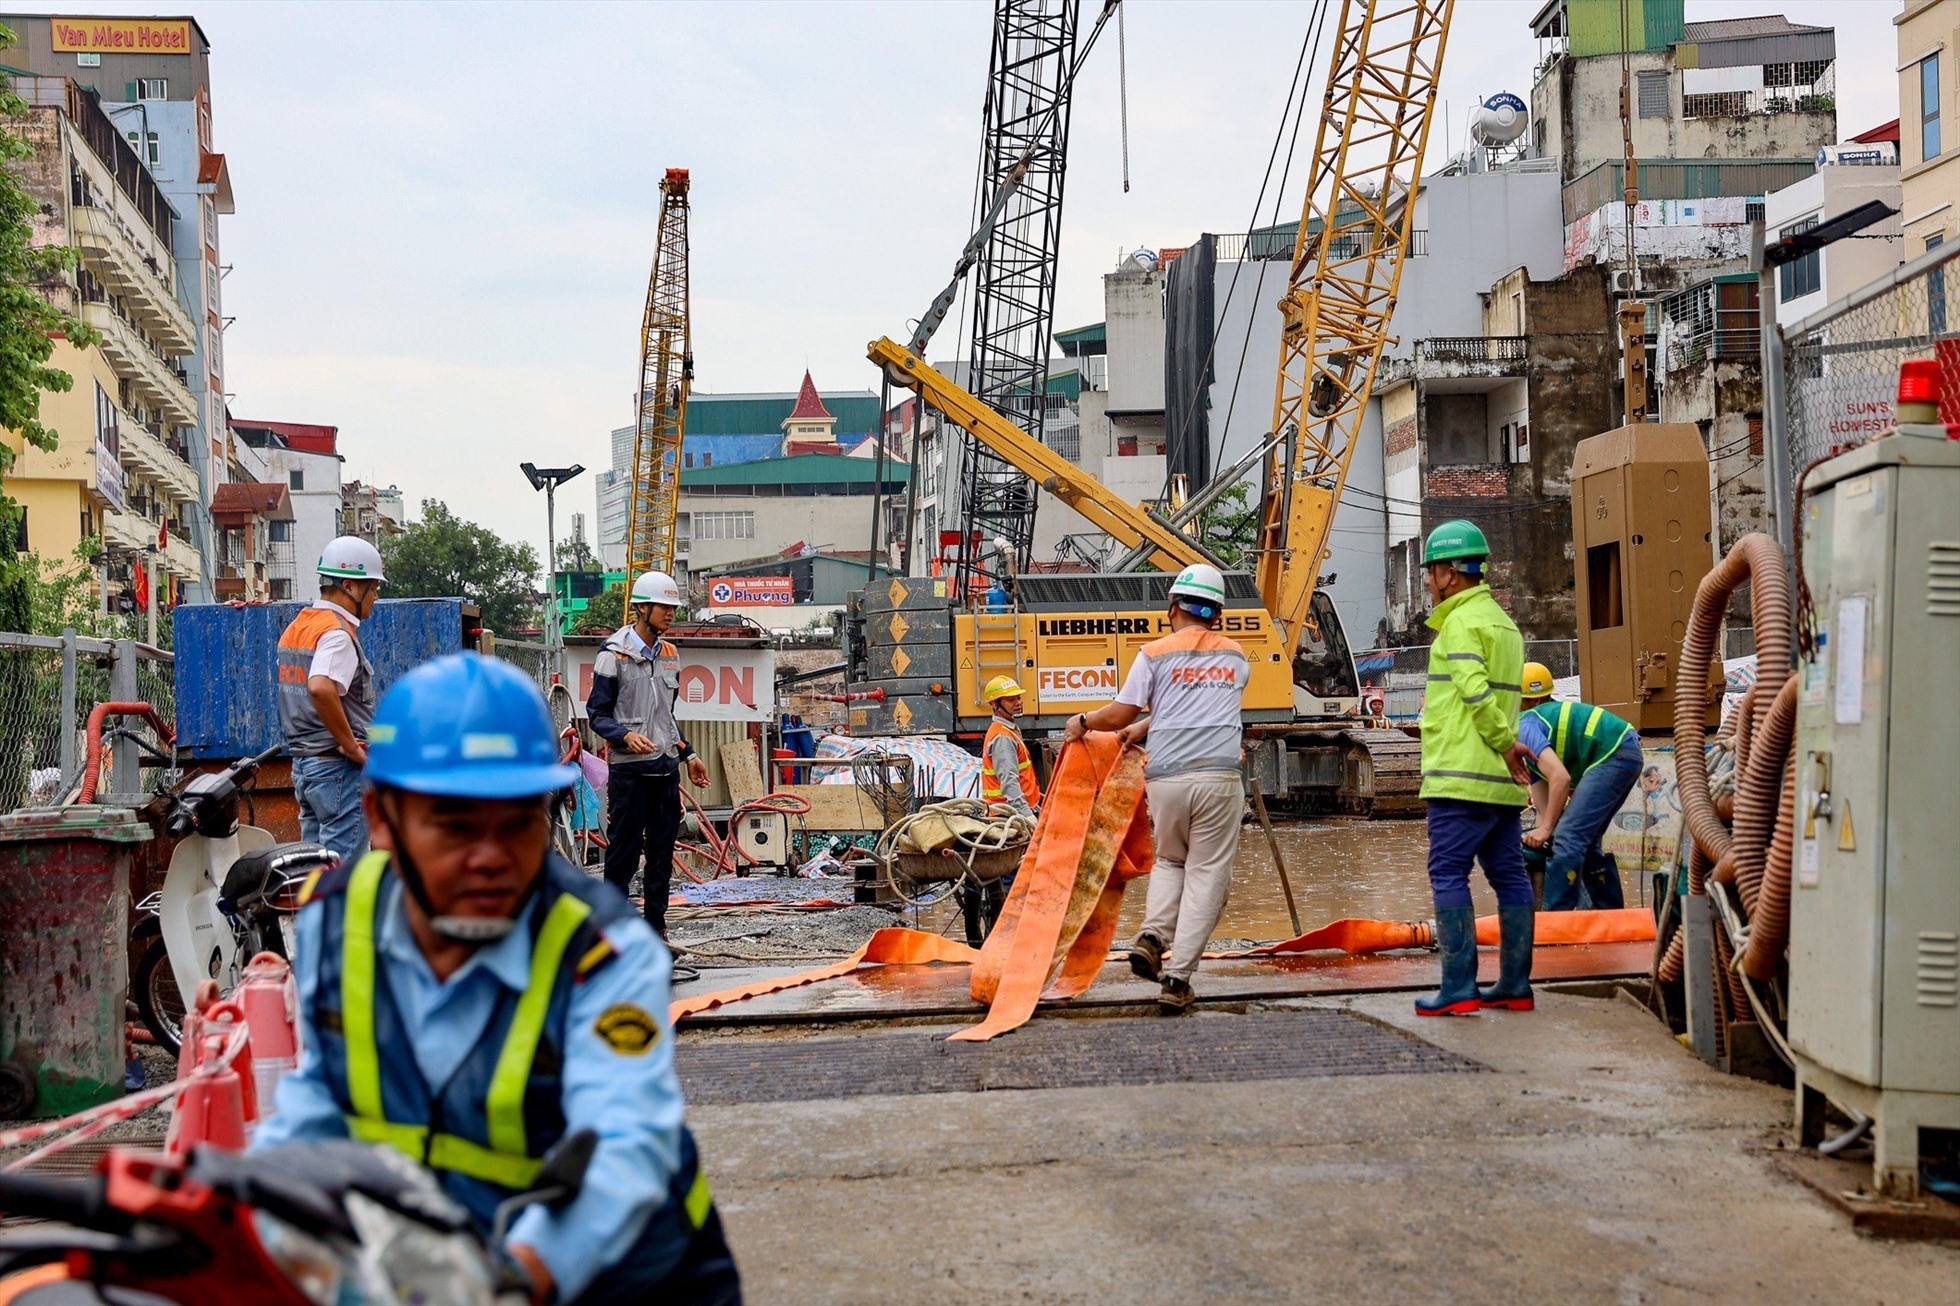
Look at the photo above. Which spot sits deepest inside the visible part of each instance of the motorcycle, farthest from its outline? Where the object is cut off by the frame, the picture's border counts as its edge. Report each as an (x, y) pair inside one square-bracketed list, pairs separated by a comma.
[(333, 1223), (226, 897)]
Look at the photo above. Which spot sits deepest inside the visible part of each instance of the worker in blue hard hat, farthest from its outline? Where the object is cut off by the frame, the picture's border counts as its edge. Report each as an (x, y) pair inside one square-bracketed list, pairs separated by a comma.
[(470, 997)]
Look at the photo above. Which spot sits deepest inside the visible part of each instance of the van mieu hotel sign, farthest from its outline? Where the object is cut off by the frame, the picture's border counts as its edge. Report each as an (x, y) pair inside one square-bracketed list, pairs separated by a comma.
[(121, 35)]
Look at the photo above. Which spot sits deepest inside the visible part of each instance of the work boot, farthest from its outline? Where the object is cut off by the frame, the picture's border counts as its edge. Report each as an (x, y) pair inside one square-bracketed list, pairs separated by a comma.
[(1513, 989), (1176, 997), (1456, 938), (1147, 956)]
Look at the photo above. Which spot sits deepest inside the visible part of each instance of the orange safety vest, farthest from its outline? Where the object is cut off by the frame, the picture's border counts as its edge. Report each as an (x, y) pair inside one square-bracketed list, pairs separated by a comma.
[(990, 784)]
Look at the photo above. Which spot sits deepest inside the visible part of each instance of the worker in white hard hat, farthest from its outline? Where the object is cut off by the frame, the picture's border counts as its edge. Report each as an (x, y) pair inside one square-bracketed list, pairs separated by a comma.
[(1192, 682), (1004, 755), (635, 682), (326, 696)]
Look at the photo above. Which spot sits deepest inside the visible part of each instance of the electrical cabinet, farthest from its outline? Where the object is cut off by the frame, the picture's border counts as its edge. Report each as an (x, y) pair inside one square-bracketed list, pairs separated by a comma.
[(1875, 896)]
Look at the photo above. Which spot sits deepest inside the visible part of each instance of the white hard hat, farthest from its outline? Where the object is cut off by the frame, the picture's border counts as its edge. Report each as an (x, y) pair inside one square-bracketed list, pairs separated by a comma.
[(1200, 581), (656, 587), (351, 558)]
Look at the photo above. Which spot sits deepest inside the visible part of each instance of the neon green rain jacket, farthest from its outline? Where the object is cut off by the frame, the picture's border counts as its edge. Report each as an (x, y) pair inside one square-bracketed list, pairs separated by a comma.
[(1470, 712)]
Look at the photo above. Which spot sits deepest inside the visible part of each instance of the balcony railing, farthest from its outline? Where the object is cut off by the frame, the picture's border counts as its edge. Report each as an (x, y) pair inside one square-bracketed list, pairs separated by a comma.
[(1472, 349), (147, 451), (141, 364), (1673, 179), (83, 106), (117, 261)]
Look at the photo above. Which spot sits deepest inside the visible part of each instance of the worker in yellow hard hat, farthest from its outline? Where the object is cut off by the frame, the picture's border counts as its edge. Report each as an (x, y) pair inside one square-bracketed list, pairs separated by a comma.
[(1584, 762), (1004, 753)]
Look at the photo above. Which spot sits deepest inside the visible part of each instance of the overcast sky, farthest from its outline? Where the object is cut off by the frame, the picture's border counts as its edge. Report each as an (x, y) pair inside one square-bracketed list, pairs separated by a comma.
[(446, 212)]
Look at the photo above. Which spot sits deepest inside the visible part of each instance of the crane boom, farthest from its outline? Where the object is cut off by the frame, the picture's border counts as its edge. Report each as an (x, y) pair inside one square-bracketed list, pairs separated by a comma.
[(1161, 545), (666, 372), (1347, 270)]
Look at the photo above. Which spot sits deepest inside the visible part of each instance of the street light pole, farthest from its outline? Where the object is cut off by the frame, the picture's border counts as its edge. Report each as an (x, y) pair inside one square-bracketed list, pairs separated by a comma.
[(549, 479)]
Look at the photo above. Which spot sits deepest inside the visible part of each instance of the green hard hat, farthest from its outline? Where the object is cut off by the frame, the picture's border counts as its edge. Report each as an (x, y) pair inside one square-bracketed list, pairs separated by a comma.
[(1454, 541)]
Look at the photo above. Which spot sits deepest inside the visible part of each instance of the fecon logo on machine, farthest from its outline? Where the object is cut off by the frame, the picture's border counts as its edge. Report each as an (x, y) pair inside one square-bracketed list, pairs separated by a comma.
[(1075, 684)]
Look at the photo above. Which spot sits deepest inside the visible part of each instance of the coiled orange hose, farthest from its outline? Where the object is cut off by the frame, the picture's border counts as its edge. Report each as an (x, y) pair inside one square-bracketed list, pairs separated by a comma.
[(1759, 792), (1769, 924)]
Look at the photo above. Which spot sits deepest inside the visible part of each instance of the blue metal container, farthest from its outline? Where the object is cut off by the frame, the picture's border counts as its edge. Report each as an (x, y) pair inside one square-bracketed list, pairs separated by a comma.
[(227, 679)]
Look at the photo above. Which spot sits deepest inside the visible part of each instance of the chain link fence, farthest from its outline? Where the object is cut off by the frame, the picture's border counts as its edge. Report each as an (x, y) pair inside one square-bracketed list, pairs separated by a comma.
[(1841, 365), (48, 687)]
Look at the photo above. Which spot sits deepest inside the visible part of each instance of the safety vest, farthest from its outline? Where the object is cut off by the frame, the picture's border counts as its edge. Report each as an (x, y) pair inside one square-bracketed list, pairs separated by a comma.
[(1582, 735), (991, 787), (306, 734), (485, 1132), (1464, 736)]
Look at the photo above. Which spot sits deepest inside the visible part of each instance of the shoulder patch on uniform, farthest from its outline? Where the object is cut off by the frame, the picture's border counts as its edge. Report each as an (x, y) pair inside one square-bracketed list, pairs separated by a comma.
[(627, 1029)]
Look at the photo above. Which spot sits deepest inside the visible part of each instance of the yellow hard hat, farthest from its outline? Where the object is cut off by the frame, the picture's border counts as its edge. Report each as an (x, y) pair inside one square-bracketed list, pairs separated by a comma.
[(1537, 680), (1002, 687)]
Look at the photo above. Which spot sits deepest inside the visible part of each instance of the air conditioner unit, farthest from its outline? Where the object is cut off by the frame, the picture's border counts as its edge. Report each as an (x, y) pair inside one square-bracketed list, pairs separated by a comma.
[(1624, 282)]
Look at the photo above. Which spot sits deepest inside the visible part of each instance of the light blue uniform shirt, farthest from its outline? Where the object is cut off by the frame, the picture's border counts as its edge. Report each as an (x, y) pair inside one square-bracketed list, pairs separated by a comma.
[(632, 1102)]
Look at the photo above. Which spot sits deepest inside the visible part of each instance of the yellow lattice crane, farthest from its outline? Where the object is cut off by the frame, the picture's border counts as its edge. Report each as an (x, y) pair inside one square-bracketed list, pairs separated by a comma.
[(666, 372), (1347, 269)]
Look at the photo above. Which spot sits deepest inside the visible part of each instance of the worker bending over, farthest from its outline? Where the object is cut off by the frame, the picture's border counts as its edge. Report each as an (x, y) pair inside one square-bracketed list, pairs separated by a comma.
[(1584, 762), (326, 696), (1004, 753), (1472, 770), (635, 681), (1192, 682), (469, 998)]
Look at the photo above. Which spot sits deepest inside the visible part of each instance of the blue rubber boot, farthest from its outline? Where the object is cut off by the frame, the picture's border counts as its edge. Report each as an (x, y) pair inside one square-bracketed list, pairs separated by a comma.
[(1456, 937), (1512, 992)]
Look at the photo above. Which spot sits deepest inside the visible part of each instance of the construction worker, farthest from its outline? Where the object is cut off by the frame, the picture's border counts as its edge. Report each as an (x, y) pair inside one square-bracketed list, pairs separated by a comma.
[(635, 681), (1473, 773), (469, 997), (1003, 753), (1192, 682), (326, 696), (1584, 761)]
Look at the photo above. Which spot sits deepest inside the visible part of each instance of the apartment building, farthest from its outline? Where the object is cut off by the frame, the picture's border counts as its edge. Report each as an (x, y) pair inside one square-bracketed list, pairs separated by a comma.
[(125, 468)]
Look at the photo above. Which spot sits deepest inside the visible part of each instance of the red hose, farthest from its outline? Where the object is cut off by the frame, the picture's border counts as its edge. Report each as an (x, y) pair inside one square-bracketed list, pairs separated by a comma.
[(103, 711), (1759, 790)]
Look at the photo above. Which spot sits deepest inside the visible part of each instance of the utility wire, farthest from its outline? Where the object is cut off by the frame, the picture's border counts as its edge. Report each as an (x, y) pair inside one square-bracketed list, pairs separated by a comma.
[(1309, 47)]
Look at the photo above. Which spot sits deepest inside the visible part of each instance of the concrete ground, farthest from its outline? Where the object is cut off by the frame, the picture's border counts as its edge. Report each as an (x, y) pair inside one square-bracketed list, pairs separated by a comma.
[(1599, 1162)]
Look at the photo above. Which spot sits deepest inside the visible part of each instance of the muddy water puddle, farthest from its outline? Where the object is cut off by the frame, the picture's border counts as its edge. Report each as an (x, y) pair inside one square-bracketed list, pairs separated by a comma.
[(1339, 868)]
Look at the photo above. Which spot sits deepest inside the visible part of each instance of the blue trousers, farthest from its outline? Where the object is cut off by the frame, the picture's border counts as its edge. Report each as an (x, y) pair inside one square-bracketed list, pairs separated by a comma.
[(1579, 871), (328, 790), (1461, 832)]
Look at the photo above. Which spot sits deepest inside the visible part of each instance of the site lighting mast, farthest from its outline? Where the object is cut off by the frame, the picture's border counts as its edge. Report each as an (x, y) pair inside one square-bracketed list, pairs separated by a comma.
[(549, 479)]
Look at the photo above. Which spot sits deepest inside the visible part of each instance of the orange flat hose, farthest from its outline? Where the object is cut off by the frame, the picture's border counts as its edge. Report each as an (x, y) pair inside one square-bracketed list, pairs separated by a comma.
[(1622, 925), (887, 947), (1089, 823)]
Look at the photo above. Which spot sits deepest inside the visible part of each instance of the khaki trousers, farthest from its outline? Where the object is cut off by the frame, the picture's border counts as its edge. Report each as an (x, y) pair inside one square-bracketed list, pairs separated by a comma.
[(1194, 822)]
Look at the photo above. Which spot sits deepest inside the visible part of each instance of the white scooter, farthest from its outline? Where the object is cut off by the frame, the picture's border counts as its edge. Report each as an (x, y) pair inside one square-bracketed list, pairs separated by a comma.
[(225, 898)]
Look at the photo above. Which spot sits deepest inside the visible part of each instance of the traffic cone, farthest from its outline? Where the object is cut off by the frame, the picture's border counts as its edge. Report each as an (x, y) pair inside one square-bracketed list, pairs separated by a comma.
[(211, 1110), (219, 1021), (269, 998)]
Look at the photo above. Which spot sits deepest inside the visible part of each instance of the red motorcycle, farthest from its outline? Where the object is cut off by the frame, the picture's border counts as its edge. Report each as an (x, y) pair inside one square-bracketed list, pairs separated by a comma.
[(332, 1223)]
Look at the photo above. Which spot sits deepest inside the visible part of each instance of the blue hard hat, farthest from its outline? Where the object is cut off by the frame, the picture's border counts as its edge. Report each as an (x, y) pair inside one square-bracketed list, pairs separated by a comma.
[(466, 726)]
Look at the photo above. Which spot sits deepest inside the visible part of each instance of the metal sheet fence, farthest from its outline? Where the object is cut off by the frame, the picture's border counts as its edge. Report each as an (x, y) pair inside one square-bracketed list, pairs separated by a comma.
[(1840, 366), (48, 687)]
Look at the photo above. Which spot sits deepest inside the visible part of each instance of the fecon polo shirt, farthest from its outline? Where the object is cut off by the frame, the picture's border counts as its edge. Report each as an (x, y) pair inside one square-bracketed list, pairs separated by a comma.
[(1193, 684)]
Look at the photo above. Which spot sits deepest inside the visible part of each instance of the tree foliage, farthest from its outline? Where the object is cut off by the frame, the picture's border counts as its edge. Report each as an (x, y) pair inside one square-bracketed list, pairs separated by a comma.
[(443, 556), (29, 325), (1230, 527)]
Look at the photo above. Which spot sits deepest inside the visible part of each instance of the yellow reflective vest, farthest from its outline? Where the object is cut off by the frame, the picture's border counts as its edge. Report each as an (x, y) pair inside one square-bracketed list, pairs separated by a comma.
[(1470, 708)]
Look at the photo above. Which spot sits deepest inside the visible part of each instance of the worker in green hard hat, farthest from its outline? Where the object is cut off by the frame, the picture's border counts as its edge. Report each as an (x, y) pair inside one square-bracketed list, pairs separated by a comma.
[(1473, 773)]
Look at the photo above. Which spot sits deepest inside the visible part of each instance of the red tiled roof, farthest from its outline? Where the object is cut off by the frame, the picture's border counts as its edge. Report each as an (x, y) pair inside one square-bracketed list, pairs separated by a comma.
[(250, 499), (809, 404), (306, 437)]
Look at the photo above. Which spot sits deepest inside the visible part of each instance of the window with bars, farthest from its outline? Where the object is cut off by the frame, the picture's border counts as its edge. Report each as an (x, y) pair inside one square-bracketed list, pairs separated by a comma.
[(153, 88)]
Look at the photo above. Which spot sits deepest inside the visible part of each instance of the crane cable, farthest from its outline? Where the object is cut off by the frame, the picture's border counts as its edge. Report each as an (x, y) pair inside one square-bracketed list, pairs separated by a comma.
[(1123, 95), (1309, 54)]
